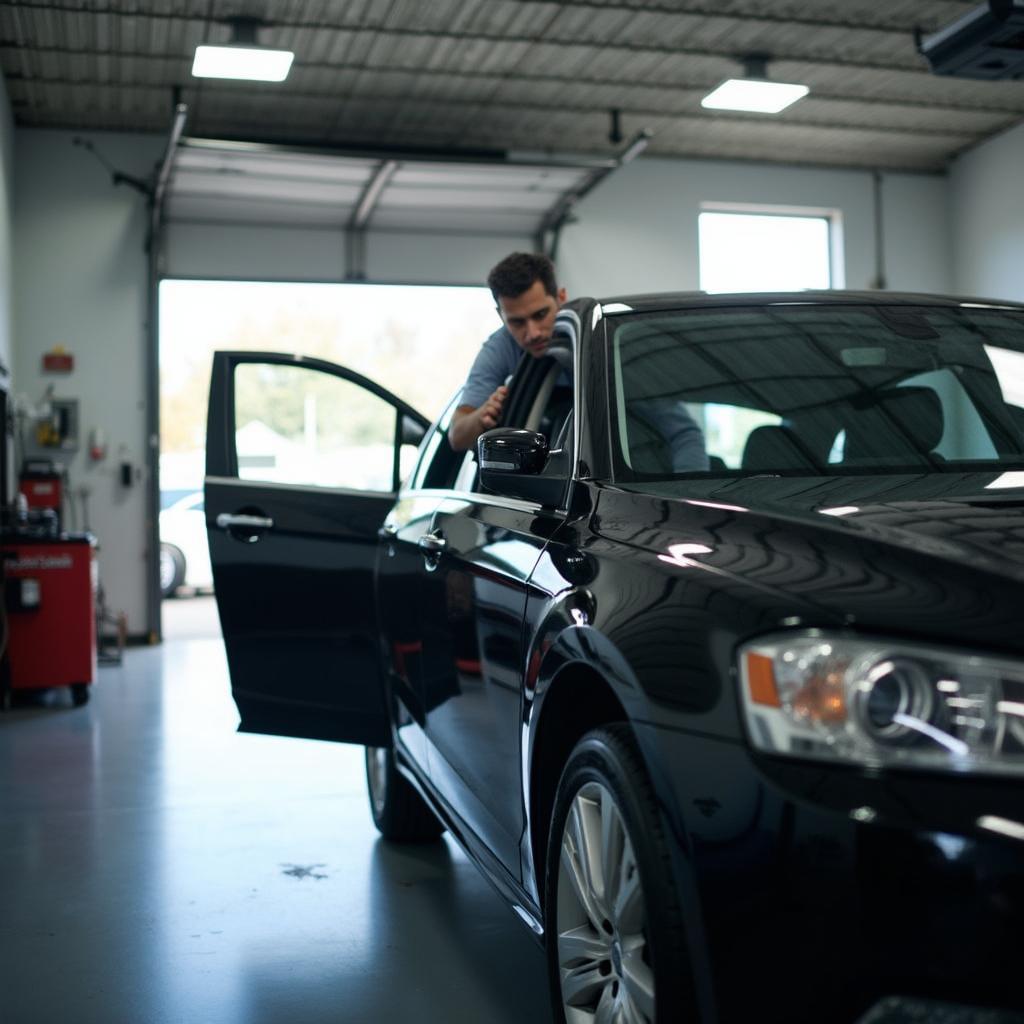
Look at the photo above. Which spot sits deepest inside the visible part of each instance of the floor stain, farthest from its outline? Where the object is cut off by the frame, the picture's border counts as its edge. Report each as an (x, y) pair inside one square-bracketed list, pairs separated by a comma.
[(304, 870)]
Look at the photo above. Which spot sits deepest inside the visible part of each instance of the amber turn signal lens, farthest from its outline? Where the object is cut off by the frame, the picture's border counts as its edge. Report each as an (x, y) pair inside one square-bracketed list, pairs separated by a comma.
[(761, 681)]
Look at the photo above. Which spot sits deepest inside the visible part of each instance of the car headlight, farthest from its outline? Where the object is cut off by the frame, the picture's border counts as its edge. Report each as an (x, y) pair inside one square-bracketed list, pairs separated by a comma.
[(877, 703)]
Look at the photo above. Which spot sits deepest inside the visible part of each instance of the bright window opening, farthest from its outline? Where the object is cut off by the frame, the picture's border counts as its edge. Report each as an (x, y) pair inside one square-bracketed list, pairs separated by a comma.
[(416, 341), (758, 252)]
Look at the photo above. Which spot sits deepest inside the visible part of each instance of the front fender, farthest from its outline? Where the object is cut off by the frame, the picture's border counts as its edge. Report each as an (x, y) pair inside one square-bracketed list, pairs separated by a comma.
[(583, 645), (563, 645)]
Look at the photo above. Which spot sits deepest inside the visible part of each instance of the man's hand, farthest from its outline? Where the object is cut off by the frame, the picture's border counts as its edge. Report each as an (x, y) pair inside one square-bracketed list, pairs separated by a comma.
[(490, 411), (469, 423)]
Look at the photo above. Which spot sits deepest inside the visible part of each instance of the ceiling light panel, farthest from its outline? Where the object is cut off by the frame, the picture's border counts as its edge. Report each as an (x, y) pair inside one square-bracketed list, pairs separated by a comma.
[(754, 96), (251, 64)]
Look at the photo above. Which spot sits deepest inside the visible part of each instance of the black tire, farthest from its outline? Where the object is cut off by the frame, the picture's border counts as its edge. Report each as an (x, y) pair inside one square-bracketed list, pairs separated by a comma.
[(398, 810), (172, 569), (79, 694), (647, 962)]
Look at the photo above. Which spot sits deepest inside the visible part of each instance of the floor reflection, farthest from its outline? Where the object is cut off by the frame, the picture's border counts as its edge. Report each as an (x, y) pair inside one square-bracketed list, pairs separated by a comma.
[(164, 868)]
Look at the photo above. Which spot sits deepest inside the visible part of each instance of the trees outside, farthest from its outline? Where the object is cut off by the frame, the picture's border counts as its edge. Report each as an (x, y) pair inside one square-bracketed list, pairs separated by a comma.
[(417, 342)]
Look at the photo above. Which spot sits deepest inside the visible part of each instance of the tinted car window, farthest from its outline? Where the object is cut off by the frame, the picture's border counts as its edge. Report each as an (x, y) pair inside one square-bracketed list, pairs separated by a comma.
[(820, 389), (439, 466)]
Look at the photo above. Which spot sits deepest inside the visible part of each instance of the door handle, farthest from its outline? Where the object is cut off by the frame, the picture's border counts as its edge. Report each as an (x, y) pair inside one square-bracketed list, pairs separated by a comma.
[(387, 534), (227, 521), (432, 543)]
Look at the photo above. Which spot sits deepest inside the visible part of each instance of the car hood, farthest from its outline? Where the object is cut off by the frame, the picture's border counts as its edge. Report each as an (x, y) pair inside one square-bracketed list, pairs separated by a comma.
[(930, 554)]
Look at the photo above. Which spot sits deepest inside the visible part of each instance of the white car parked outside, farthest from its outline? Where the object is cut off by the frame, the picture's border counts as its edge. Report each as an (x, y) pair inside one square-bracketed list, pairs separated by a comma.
[(184, 550)]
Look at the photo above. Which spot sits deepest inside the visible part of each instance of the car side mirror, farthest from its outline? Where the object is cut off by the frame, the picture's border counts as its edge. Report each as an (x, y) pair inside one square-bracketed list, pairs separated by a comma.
[(506, 450), (511, 462)]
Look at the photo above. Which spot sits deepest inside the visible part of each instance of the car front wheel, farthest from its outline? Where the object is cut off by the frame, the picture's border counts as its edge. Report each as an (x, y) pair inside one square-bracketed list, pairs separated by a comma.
[(615, 944), (398, 810)]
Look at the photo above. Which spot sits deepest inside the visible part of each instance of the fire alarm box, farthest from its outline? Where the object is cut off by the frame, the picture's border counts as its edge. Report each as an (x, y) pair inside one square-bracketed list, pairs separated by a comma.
[(58, 360)]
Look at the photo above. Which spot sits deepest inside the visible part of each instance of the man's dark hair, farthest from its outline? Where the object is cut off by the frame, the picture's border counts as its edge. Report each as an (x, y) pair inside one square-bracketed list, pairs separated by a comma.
[(516, 273)]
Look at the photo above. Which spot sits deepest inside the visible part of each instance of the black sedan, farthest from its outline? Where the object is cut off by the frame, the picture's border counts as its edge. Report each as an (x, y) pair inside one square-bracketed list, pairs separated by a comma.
[(737, 730)]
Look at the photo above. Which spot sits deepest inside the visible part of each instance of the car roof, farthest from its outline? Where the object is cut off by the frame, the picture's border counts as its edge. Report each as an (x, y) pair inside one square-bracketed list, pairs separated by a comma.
[(649, 303)]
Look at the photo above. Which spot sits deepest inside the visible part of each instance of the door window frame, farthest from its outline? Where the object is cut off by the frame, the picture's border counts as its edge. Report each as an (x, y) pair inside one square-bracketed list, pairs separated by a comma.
[(230, 360)]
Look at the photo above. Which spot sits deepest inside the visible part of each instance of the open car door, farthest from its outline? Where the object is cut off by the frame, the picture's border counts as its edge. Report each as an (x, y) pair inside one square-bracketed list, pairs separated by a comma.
[(303, 462)]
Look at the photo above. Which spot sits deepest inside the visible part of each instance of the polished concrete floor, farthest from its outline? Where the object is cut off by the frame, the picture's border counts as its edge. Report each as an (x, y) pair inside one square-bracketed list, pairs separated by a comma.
[(156, 866)]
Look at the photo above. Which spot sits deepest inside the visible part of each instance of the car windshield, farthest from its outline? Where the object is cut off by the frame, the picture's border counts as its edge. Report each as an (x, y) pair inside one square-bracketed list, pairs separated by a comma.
[(821, 389)]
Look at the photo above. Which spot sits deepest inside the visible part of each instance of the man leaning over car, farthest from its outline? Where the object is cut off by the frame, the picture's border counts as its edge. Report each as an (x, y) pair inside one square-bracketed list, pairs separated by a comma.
[(529, 302)]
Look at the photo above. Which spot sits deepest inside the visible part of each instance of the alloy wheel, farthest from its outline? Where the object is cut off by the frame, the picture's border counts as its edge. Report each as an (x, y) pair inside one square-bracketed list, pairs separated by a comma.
[(601, 922)]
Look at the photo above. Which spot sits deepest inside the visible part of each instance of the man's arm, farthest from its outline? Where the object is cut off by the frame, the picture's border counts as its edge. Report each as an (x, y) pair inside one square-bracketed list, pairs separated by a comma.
[(468, 423), (682, 436)]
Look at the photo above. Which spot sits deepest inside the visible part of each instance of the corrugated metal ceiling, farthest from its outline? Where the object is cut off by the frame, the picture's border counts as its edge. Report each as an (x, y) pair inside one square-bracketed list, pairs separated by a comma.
[(536, 75)]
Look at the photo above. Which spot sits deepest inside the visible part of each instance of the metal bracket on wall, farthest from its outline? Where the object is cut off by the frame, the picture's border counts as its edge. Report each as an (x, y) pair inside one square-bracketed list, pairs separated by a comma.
[(560, 214), (163, 174), (155, 266), (355, 231)]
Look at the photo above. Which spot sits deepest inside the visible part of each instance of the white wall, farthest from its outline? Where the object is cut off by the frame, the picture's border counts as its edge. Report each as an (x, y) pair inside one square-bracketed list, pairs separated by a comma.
[(637, 232), (6, 216), (301, 254), (239, 252), (988, 218), (446, 259), (80, 281)]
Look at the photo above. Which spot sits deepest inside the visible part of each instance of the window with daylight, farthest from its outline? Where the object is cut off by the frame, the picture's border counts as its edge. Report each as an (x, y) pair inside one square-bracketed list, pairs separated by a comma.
[(766, 252)]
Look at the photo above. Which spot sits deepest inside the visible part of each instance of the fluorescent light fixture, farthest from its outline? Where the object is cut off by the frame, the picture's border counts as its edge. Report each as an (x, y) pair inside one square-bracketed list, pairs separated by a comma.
[(754, 93), (757, 97), (254, 64), (243, 57)]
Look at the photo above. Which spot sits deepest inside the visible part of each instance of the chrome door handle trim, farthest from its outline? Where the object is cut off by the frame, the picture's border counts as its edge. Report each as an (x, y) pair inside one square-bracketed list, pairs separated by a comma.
[(227, 521), (432, 543)]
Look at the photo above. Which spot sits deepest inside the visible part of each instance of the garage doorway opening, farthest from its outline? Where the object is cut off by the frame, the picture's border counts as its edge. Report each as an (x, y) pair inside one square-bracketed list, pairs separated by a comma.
[(417, 341)]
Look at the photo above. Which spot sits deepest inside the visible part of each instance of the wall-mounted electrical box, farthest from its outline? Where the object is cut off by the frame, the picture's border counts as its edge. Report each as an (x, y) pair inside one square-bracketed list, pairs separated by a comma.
[(59, 427)]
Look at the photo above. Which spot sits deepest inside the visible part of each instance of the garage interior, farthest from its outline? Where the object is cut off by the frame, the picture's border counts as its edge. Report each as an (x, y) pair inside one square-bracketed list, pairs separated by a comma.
[(154, 864)]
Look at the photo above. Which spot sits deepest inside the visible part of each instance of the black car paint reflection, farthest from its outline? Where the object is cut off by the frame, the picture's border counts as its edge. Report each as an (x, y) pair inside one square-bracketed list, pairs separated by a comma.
[(812, 890)]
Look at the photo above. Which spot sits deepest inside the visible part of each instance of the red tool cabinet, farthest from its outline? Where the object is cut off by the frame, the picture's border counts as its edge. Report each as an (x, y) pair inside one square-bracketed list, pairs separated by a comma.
[(49, 586)]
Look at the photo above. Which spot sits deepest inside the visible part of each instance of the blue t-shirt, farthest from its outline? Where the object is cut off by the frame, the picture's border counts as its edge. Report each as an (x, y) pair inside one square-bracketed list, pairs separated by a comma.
[(499, 357), (682, 437), (495, 362)]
